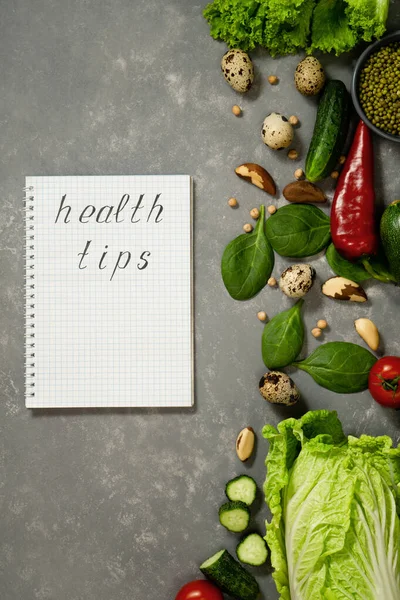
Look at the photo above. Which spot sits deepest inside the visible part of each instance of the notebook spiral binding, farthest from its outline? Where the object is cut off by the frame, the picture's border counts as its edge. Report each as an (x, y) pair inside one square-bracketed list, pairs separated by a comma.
[(29, 291)]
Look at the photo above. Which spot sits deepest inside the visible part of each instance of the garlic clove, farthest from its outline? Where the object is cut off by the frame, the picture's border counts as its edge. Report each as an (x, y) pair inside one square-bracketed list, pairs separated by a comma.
[(368, 331)]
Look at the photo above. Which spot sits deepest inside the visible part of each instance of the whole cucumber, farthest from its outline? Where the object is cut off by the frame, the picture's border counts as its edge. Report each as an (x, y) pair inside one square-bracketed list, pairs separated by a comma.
[(390, 235), (330, 131), (230, 576)]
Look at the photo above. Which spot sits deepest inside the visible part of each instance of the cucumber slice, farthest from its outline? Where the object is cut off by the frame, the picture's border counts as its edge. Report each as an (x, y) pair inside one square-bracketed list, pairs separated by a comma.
[(230, 576), (252, 550), (234, 516), (242, 488)]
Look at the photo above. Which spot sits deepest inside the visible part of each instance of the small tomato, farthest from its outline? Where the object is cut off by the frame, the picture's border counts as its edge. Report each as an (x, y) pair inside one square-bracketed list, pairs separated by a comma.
[(384, 381), (199, 590)]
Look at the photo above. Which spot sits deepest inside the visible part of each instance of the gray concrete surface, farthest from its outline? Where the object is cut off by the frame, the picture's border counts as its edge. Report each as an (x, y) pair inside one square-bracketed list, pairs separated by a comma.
[(122, 505)]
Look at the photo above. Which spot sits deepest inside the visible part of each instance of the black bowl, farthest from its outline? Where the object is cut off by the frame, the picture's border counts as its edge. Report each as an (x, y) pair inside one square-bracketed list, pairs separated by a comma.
[(388, 39)]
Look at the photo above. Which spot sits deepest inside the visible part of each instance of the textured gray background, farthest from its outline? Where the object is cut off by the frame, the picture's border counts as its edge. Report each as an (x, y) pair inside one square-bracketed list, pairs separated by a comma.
[(122, 505)]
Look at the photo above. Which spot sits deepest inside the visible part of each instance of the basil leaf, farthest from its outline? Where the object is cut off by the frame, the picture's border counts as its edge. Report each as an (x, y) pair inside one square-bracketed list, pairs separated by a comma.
[(247, 262), (298, 230), (283, 338), (345, 268), (339, 366)]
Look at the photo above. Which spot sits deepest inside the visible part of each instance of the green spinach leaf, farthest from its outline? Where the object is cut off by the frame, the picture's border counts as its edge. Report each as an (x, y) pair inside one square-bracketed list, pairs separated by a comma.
[(373, 267), (283, 338), (247, 262), (345, 268), (298, 230), (339, 366), (378, 268)]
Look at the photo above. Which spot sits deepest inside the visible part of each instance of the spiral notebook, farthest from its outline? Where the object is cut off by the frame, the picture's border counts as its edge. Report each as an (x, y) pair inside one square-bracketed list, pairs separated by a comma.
[(109, 291)]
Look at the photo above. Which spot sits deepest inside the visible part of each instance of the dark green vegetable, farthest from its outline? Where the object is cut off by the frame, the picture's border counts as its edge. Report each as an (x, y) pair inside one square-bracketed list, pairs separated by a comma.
[(290, 26), (379, 88), (344, 268), (283, 338), (378, 267), (330, 131), (390, 235), (234, 516), (374, 267), (230, 576), (252, 550), (242, 488), (298, 230), (247, 262), (339, 366)]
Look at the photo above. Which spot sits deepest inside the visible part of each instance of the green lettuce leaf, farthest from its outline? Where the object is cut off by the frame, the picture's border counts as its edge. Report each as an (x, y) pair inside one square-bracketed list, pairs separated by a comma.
[(239, 23), (287, 27), (368, 17), (331, 31), (335, 528)]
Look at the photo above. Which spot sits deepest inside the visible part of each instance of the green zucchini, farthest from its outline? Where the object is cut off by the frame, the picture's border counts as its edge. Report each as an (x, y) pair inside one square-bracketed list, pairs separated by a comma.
[(234, 516), (242, 488), (252, 550), (230, 576), (330, 131), (390, 236)]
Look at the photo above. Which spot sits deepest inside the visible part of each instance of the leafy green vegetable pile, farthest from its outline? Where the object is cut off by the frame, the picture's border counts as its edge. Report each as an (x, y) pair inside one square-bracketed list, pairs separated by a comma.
[(287, 26), (335, 504)]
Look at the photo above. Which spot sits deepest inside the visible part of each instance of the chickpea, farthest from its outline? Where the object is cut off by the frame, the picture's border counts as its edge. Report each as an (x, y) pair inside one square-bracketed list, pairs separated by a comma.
[(254, 213), (237, 111), (272, 209), (247, 228), (233, 202)]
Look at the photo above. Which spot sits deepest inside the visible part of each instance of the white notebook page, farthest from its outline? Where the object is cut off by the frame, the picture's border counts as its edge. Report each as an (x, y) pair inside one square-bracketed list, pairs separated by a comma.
[(110, 329)]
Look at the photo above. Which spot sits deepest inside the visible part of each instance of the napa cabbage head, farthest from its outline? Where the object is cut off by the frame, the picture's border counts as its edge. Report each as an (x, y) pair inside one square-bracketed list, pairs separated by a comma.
[(335, 503)]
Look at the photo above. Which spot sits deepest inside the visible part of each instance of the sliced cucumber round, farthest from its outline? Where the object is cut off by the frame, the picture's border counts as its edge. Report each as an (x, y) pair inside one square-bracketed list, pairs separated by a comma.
[(234, 516), (242, 488), (252, 550)]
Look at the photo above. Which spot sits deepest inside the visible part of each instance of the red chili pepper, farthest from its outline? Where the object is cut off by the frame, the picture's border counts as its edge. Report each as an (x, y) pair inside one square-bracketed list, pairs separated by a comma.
[(353, 225)]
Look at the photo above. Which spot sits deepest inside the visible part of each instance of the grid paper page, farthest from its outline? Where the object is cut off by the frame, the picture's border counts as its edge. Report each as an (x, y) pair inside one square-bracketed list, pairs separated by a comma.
[(110, 329)]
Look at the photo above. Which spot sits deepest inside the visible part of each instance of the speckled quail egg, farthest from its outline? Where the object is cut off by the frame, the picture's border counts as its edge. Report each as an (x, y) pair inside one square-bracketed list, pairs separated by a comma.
[(238, 70), (309, 76), (277, 132), (297, 280), (278, 388)]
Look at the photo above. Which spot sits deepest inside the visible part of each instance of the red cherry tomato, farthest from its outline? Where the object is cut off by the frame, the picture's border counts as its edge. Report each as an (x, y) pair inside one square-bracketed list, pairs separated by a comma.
[(384, 381), (199, 590)]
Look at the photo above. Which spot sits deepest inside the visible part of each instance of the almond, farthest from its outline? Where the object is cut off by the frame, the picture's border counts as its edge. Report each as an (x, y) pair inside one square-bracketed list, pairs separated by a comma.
[(258, 176), (245, 443), (303, 191), (340, 288), (368, 331)]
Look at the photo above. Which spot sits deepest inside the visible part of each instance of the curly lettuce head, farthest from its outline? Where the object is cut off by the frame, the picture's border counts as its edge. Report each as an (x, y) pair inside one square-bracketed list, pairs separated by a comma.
[(287, 26)]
